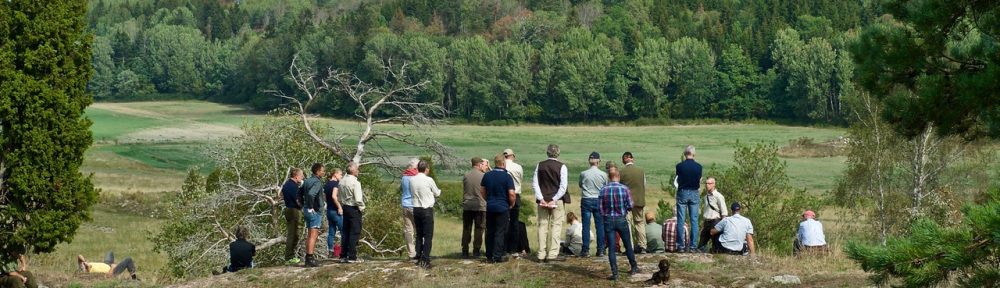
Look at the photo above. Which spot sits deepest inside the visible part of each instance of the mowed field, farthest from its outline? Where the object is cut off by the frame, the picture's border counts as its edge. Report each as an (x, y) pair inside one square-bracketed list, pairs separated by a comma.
[(145, 148)]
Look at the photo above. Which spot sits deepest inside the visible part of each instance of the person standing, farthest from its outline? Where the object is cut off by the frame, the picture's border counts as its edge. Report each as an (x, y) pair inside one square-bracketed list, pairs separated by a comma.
[(550, 183), (635, 179), (334, 213), (293, 214), (497, 187), (424, 190), (810, 236), (352, 200), (615, 203), (407, 199), (516, 172), (474, 207), (715, 210), (312, 204), (688, 181), (591, 182)]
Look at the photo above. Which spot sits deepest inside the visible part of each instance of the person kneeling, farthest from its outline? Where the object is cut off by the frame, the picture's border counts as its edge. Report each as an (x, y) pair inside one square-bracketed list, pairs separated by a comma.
[(109, 268), (736, 233)]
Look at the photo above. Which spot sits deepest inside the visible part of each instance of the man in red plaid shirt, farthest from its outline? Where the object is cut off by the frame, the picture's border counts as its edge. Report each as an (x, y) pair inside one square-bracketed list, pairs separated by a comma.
[(670, 233)]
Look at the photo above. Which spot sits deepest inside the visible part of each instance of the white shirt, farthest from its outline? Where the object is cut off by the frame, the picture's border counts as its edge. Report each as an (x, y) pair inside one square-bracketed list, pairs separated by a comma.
[(574, 237), (563, 183), (811, 233), (350, 193), (515, 172), (734, 230), (424, 191)]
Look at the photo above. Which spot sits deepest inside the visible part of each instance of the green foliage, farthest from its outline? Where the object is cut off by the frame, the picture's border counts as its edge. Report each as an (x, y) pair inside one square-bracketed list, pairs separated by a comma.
[(931, 253), (664, 211), (692, 75), (44, 69), (759, 182), (934, 54), (811, 88)]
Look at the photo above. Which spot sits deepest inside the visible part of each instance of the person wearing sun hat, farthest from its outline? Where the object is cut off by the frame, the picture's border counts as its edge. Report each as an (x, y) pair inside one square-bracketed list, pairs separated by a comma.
[(736, 233), (517, 173), (810, 236)]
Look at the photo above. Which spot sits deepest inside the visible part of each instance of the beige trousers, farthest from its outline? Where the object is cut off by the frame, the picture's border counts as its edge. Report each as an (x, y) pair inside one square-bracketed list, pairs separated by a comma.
[(408, 232), (550, 223), (638, 224)]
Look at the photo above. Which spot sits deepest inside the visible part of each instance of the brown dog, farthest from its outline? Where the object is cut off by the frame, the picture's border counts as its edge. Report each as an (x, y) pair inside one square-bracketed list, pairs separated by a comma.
[(662, 276)]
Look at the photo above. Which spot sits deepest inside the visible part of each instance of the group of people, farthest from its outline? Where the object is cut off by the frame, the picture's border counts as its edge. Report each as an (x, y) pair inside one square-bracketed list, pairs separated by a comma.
[(613, 198)]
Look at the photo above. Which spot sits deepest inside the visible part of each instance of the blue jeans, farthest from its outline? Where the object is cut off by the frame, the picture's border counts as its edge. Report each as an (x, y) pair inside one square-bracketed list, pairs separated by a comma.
[(590, 207), (336, 224), (619, 225), (688, 204)]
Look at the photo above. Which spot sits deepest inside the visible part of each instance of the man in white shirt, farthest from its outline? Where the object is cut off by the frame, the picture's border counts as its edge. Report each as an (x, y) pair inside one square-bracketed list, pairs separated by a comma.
[(550, 183), (517, 173), (424, 191), (736, 233), (715, 210), (352, 202), (810, 236)]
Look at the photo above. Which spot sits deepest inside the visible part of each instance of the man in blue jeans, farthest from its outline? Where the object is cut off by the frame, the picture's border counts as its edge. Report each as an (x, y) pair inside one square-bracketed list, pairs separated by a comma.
[(334, 213), (615, 203), (591, 182), (688, 181)]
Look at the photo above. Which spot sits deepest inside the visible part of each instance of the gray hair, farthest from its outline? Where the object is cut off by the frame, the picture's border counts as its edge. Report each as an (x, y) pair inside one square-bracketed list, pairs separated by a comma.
[(413, 163), (552, 151), (689, 150), (352, 168)]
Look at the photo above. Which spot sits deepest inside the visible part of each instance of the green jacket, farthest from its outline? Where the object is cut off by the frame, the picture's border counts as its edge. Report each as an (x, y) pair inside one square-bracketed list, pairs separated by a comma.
[(635, 179)]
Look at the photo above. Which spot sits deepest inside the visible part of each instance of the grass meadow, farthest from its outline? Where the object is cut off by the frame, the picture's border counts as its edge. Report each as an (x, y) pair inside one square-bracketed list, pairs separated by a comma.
[(143, 150)]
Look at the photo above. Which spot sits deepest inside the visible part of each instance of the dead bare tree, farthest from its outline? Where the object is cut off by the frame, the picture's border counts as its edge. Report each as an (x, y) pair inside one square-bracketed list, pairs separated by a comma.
[(395, 102)]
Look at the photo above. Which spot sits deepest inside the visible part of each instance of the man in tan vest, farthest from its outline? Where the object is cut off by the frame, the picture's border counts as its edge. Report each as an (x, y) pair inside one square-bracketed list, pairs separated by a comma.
[(635, 179), (550, 183)]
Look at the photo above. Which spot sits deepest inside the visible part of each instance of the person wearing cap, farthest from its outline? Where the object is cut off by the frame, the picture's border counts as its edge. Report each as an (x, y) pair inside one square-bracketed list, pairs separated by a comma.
[(688, 203), (517, 174), (591, 182), (715, 210), (635, 179), (615, 202), (735, 233), (550, 183), (474, 206), (810, 236)]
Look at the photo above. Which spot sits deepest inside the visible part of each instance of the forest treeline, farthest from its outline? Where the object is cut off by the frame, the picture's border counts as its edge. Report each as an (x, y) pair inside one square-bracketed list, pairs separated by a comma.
[(497, 60)]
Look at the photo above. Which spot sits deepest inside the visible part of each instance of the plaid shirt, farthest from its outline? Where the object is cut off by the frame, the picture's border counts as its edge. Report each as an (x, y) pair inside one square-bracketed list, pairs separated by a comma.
[(670, 234), (615, 200)]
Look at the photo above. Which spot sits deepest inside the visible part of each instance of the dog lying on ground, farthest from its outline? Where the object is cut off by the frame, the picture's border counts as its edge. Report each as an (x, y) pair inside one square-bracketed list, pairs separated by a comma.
[(662, 276)]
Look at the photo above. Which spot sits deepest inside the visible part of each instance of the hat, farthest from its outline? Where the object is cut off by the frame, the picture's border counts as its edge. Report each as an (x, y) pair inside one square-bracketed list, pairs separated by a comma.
[(809, 214), (508, 152), (595, 155), (476, 160), (736, 206)]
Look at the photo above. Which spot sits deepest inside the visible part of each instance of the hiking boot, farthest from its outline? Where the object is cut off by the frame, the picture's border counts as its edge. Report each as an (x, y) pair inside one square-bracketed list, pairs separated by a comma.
[(613, 277), (465, 255), (476, 254), (635, 270), (311, 261), (293, 261)]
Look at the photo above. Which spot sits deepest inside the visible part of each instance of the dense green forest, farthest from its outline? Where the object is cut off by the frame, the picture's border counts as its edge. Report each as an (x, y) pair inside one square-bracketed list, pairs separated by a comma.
[(497, 60)]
